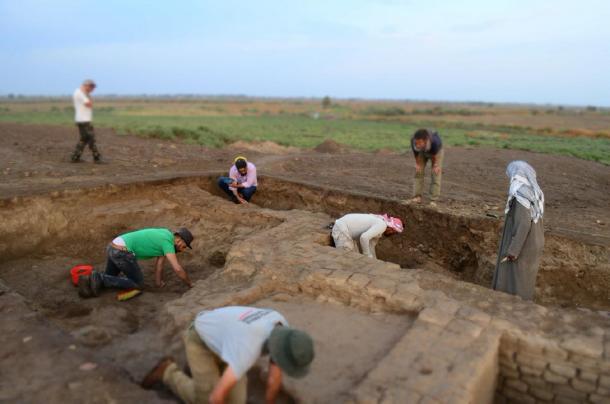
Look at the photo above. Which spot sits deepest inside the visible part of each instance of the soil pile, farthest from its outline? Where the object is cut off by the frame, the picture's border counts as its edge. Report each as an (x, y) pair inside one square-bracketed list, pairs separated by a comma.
[(331, 147)]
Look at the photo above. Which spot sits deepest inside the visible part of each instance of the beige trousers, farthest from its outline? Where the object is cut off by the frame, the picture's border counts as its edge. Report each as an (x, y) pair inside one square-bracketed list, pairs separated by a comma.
[(206, 369)]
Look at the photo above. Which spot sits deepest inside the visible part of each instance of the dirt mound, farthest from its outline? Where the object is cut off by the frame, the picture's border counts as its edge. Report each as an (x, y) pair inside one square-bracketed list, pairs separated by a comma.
[(331, 147), (266, 147)]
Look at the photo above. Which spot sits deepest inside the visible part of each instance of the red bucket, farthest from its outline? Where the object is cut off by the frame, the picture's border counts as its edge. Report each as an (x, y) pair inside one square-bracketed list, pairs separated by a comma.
[(79, 270)]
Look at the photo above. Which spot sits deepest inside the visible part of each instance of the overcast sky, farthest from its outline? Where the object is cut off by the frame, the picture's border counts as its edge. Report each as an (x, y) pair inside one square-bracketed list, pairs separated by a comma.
[(494, 50)]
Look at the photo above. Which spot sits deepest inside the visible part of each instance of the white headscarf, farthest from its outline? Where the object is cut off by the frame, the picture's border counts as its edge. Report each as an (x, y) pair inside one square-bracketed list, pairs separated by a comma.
[(524, 187)]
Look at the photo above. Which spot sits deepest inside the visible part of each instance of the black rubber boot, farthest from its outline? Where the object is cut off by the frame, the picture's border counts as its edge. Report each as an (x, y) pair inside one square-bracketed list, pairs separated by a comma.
[(84, 286), (96, 283)]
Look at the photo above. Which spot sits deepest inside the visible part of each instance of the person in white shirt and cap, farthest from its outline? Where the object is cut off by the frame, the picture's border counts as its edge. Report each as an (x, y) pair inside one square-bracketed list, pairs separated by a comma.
[(223, 344), (365, 228), (83, 115)]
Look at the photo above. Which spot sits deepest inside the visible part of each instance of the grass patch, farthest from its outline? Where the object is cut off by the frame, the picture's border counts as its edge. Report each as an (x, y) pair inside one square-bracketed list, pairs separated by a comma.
[(301, 130)]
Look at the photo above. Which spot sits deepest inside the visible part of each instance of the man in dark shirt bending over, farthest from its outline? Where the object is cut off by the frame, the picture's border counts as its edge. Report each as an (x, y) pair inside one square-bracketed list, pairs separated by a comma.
[(427, 145)]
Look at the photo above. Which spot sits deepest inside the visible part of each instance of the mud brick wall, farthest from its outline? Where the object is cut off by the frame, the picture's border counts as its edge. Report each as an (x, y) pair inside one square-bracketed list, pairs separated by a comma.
[(573, 369)]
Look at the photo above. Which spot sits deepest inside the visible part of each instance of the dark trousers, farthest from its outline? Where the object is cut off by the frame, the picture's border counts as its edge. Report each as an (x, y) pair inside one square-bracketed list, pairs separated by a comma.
[(87, 138), (124, 262), (246, 193)]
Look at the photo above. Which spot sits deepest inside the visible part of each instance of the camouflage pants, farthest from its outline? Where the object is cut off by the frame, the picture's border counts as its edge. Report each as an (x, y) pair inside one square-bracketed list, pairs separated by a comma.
[(87, 138)]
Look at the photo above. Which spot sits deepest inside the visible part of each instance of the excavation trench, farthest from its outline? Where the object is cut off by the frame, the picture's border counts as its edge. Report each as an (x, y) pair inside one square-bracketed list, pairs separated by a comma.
[(572, 273), (43, 236)]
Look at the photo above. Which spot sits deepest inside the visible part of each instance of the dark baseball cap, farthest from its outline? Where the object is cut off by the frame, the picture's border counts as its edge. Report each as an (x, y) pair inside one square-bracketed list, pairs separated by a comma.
[(185, 235)]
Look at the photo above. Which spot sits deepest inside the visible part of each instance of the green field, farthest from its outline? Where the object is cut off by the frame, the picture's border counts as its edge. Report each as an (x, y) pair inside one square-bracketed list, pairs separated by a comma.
[(366, 129)]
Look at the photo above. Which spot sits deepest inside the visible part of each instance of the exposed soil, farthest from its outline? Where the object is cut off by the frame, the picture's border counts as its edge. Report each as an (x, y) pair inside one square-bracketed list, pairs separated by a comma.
[(35, 159), (46, 235)]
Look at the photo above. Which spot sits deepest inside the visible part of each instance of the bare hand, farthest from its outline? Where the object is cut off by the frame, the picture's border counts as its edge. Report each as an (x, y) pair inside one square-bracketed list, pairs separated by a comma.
[(419, 168), (436, 170), (508, 258)]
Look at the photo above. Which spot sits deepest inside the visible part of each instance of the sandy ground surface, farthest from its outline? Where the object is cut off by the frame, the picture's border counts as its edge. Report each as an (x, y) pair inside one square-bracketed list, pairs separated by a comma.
[(35, 159)]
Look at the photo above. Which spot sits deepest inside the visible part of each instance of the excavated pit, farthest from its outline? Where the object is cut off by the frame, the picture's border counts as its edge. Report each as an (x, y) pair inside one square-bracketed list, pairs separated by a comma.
[(46, 235), (572, 273)]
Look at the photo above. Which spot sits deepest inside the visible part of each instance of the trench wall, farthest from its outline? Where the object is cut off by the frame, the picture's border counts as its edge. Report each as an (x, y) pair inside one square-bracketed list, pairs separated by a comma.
[(571, 273)]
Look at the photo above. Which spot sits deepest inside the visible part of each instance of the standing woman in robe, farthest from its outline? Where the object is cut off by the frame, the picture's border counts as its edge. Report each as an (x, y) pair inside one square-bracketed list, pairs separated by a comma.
[(523, 236)]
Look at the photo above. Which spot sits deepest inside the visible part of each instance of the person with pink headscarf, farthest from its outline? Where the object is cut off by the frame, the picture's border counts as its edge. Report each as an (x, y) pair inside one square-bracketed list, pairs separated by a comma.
[(364, 228)]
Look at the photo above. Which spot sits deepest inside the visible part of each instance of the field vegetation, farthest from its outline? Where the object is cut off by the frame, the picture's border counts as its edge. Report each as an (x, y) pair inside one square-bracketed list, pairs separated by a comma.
[(364, 125)]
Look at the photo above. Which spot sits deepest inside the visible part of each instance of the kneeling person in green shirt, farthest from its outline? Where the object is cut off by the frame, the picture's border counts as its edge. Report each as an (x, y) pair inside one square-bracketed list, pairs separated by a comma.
[(124, 252)]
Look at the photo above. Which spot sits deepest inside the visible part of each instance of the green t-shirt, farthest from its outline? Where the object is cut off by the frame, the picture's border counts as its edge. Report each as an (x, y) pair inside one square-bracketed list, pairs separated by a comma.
[(149, 243)]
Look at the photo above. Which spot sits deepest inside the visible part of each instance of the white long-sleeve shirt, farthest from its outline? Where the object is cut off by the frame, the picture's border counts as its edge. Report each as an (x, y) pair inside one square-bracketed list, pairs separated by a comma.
[(82, 113), (365, 227)]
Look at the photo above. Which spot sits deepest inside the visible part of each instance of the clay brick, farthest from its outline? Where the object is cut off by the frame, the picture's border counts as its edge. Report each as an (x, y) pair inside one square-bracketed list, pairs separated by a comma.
[(507, 354), (509, 372), (516, 384), (399, 395), (602, 391), (381, 287), (428, 400), (359, 281), (518, 396), (507, 363), (568, 392), (554, 377), (476, 316), (588, 376), (533, 362), (595, 398), (566, 400), (447, 305), (410, 287), (542, 393), (407, 302), (509, 342), (319, 275), (604, 381), (535, 381), (450, 394), (529, 371), (583, 386), (502, 324), (469, 328), (592, 347), (338, 277), (531, 344), (565, 369), (585, 362), (435, 316), (554, 352)]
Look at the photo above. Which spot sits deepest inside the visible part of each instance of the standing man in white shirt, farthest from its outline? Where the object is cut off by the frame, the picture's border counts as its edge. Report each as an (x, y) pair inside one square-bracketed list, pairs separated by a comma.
[(83, 114)]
